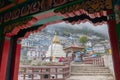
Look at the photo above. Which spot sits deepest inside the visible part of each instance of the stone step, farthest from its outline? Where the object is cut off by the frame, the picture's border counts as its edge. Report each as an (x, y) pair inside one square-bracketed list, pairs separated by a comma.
[(86, 68), (83, 65), (93, 68), (91, 78), (102, 67), (90, 74), (91, 71), (77, 70)]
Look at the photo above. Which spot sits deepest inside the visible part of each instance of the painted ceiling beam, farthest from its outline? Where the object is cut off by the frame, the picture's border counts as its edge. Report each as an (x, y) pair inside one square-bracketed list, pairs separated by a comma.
[(84, 18), (49, 16), (47, 20), (30, 7), (90, 6), (67, 5), (12, 3)]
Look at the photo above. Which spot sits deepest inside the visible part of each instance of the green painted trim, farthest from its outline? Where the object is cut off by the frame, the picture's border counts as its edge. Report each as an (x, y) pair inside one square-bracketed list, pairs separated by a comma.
[(15, 21), (31, 14), (118, 34), (46, 20), (118, 31), (43, 12)]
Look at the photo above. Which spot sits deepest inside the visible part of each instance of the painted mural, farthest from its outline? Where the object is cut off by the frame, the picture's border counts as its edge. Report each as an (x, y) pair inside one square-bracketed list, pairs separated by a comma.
[(33, 6), (16, 24), (4, 3), (117, 11), (91, 6)]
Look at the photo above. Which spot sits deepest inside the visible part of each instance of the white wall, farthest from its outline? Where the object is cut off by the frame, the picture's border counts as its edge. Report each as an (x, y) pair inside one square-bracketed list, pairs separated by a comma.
[(109, 62)]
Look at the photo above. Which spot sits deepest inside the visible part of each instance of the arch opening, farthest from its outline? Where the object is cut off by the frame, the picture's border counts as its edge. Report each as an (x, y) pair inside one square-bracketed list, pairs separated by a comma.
[(36, 55), (80, 14)]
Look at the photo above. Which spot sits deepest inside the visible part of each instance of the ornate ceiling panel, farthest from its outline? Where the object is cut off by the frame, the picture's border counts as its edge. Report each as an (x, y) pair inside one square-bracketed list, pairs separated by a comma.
[(117, 11), (73, 12), (91, 6), (4, 3), (8, 28), (29, 8)]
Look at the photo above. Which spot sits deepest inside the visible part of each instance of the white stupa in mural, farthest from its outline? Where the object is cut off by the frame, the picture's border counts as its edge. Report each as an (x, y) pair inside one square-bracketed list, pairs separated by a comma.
[(55, 49)]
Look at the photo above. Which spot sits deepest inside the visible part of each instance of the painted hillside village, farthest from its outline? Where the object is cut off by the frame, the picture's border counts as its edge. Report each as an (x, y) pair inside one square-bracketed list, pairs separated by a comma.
[(61, 53)]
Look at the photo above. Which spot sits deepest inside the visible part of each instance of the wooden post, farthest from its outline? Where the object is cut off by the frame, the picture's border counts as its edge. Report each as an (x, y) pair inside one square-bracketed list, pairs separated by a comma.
[(16, 62), (4, 59), (1, 43), (114, 47)]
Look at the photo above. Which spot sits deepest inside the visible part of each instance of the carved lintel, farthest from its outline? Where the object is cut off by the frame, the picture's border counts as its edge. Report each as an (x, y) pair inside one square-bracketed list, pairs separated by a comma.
[(91, 6), (10, 27)]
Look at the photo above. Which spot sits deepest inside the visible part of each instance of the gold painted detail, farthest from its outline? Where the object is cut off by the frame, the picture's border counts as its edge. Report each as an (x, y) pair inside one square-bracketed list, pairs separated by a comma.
[(10, 27), (32, 7), (117, 13), (90, 6), (56, 39)]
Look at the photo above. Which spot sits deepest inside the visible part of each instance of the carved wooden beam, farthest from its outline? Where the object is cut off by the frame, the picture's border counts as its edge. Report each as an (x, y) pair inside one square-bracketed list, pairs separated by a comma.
[(91, 6), (29, 8), (8, 28)]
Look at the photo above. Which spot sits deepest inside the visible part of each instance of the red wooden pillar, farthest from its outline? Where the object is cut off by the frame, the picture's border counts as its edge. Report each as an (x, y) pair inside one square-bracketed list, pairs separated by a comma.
[(1, 42), (16, 62), (4, 60), (1, 51), (114, 46)]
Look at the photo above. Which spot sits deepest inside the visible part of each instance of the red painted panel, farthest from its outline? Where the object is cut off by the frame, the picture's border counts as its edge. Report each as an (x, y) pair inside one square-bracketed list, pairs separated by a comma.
[(16, 62), (4, 60), (115, 49)]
